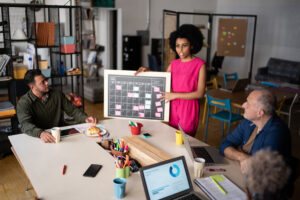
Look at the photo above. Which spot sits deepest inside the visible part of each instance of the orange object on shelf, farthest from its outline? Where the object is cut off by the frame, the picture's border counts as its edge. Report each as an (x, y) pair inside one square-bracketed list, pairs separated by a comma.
[(7, 113)]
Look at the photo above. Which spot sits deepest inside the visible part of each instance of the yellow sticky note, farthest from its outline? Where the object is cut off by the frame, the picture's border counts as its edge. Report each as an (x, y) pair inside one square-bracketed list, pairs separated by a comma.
[(217, 177)]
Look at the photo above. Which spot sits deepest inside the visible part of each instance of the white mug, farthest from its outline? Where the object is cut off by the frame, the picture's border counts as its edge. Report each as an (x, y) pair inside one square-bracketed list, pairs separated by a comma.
[(56, 134), (199, 164)]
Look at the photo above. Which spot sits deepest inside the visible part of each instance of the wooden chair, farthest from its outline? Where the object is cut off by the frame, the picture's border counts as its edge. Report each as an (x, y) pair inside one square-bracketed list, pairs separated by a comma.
[(212, 84)]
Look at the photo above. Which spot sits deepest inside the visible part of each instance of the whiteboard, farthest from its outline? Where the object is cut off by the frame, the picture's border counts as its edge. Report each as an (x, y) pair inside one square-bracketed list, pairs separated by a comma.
[(136, 97)]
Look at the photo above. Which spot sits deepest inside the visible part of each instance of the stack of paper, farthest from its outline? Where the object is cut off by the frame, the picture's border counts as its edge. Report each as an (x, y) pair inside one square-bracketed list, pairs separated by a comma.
[(219, 187)]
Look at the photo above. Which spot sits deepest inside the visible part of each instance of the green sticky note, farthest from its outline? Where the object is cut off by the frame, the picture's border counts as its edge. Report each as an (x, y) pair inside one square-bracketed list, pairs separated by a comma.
[(224, 33), (217, 177)]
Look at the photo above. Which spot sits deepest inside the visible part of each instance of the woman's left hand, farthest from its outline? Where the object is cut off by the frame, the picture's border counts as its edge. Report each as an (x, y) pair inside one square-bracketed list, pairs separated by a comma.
[(168, 96)]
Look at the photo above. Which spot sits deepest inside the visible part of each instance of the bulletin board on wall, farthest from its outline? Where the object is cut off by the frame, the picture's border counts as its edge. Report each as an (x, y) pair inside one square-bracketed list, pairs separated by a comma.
[(235, 44), (136, 97), (232, 35)]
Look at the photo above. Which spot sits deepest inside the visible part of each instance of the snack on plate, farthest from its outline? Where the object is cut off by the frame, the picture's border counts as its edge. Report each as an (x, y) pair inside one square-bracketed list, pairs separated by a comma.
[(94, 130)]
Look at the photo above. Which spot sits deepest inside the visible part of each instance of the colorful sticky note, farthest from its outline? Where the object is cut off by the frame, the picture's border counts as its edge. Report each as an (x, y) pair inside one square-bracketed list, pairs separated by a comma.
[(157, 115), (234, 43), (229, 36), (136, 95), (159, 109), (158, 96), (141, 107), (224, 33), (243, 46), (232, 34), (118, 113), (235, 28), (118, 106), (228, 43), (223, 27), (135, 108), (156, 89), (118, 87), (158, 103), (141, 114), (130, 94), (148, 96), (222, 39), (147, 102), (229, 33), (148, 106), (136, 88)]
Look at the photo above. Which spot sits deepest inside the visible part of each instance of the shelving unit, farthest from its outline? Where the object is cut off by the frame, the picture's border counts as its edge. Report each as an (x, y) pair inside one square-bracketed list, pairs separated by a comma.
[(68, 22)]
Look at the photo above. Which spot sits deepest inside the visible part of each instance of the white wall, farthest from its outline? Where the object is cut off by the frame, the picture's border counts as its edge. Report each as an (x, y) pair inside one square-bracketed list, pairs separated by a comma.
[(135, 17), (277, 33), (278, 26)]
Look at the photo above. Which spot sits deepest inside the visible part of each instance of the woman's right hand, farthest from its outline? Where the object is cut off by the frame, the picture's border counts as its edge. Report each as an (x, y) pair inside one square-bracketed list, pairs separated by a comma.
[(142, 69)]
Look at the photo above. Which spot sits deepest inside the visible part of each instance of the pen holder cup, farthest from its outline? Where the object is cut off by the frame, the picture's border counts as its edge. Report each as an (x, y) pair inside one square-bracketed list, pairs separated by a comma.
[(136, 130), (122, 172), (118, 153)]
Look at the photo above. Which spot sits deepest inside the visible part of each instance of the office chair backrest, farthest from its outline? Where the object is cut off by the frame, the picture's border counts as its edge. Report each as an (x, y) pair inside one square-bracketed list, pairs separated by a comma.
[(220, 103), (212, 84), (152, 63)]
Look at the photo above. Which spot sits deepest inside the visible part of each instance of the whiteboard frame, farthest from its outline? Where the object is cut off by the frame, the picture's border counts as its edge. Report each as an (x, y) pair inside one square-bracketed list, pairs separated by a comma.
[(166, 75)]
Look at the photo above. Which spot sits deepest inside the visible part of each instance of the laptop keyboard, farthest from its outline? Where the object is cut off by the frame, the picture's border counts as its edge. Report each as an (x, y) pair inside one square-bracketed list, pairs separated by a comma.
[(189, 197), (202, 153)]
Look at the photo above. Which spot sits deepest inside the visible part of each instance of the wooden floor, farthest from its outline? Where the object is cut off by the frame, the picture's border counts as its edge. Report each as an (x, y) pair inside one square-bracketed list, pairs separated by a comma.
[(13, 180)]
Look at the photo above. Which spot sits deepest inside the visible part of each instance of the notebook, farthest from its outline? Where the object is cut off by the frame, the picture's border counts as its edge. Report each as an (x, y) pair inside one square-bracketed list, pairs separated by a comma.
[(239, 85), (209, 153), (212, 190), (169, 179)]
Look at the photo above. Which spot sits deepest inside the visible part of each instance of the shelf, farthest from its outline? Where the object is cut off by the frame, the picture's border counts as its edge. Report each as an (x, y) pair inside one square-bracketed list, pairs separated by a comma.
[(5, 78), (24, 40), (47, 46), (60, 76), (57, 52)]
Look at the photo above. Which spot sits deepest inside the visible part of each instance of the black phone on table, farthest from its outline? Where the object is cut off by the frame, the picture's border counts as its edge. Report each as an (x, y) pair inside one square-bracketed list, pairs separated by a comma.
[(92, 170)]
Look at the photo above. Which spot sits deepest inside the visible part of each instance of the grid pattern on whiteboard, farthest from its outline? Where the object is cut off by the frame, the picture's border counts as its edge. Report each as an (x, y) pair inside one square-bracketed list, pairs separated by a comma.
[(136, 97)]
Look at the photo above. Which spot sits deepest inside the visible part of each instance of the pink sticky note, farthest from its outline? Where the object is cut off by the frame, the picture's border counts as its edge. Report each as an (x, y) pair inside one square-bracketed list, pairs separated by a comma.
[(158, 103), (118, 106), (156, 89), (157, 114), (158, 96), (135, 108), (229, 36), (141, 107), (118, 87), (130, 94), (141, 114), (118, 113), (159, 109)]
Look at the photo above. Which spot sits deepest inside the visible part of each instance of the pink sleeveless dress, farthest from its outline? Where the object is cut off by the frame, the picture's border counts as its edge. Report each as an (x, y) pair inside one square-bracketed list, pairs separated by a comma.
[(185, 79)]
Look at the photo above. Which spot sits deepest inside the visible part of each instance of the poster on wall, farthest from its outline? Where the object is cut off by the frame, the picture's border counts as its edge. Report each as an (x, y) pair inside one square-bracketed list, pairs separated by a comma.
[(232, 35)]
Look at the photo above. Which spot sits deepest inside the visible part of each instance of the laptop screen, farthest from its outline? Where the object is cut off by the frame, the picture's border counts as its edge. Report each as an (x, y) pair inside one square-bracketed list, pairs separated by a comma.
[(164, 180)]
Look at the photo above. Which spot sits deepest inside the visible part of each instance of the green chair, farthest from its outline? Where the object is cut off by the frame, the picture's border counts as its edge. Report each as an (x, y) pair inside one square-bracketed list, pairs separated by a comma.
[(224, 115), (230, 77)]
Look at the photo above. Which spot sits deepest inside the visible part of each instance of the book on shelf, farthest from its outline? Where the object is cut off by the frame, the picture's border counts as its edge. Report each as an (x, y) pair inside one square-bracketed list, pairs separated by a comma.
[(218, 187)]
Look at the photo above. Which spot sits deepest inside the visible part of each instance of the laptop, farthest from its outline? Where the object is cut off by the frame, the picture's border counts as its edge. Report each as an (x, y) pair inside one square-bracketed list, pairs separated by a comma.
[(211, 155), (239, 85), (169, 179)]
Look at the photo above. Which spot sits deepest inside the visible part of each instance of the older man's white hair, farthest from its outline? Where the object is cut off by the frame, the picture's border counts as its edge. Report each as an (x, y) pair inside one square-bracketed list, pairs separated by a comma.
[(266, 173)]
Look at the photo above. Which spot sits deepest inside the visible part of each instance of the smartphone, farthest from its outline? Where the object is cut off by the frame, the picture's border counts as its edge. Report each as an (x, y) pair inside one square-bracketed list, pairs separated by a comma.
[(69, 131), (146, 135), (92, 170)]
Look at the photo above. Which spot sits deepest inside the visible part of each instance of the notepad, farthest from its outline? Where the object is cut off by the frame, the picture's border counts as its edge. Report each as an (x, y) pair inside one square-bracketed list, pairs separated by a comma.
[(213, 191)]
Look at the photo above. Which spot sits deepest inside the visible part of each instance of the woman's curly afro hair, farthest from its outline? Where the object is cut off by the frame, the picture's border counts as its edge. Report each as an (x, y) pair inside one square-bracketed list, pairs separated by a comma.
[(191, 33)]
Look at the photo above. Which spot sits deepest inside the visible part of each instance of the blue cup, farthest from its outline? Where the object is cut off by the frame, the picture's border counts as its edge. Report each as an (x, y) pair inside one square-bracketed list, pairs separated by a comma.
[(119, 187)]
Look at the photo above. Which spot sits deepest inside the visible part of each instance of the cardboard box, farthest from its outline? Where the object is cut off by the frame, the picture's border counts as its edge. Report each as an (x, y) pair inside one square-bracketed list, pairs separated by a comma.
[(45, 33), (20, 71)]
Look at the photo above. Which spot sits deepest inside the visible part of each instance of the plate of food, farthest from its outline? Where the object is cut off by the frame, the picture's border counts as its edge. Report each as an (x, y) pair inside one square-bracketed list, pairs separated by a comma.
[(95, 131)]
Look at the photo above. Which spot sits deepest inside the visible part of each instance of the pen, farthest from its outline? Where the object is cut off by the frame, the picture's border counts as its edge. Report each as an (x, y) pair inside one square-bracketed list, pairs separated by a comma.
[(215, 169), (218, 185), (64, 169)]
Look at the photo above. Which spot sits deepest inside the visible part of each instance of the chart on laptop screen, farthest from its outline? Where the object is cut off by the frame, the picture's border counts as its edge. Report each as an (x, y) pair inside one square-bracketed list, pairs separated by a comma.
[(129, 96), (166, 180)]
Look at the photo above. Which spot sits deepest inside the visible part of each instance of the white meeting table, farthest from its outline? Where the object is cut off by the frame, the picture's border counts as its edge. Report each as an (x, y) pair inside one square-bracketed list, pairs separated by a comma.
[(43, 162)]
